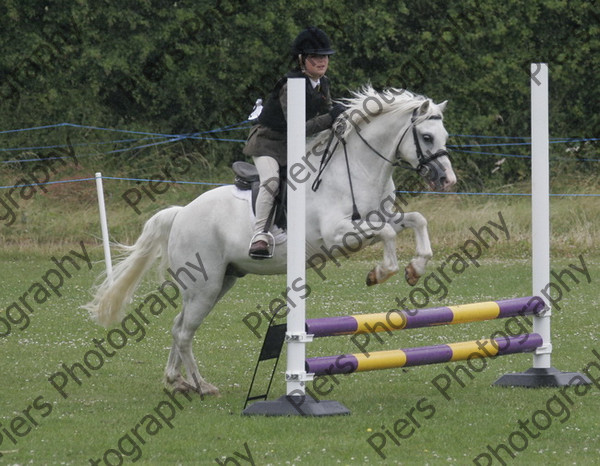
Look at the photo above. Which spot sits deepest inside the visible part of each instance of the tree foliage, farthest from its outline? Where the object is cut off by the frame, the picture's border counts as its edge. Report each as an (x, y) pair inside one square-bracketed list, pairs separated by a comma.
[(192, 65)]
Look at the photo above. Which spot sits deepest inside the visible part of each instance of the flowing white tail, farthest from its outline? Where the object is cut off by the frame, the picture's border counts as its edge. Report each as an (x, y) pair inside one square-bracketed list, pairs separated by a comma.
[(111, 297)]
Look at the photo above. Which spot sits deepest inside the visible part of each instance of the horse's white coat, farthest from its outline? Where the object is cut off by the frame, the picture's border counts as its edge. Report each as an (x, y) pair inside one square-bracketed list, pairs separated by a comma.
[(217, 228)]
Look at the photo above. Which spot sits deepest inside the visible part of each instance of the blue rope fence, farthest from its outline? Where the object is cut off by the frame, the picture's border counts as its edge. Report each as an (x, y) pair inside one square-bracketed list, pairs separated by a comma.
[(205, 183), (152, 139), (162, 138), (158, 138)]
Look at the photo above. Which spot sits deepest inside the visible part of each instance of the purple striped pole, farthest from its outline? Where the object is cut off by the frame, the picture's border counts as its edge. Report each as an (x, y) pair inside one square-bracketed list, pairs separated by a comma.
[(485, 348), (397, 320)]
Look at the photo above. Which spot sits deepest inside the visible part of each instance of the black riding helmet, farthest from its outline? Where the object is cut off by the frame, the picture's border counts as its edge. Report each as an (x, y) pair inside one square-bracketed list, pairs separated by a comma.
[(311, 41)]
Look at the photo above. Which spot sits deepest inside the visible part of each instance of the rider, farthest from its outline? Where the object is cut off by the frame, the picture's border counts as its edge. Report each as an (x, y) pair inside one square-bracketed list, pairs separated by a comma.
[(267, 142)]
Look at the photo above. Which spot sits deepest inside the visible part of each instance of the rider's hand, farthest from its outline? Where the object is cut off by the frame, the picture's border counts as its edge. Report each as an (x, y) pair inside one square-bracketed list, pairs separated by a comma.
[(336, 110)]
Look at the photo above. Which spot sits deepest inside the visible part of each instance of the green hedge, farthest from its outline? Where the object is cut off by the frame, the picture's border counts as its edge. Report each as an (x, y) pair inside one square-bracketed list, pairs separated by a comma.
[(186, 66)]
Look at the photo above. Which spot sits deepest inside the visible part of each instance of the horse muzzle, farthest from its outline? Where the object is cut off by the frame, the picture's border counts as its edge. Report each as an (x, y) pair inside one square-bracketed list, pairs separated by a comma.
[(439, 175)]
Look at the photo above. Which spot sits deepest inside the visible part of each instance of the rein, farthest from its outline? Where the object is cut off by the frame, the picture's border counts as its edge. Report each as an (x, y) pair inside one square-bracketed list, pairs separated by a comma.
[(325, 160)]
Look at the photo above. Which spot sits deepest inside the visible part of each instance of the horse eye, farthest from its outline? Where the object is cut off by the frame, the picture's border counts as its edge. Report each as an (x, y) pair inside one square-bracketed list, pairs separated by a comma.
[(427, 138)]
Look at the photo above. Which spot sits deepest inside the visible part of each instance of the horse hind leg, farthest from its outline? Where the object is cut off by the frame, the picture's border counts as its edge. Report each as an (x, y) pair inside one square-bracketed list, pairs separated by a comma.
[(173, 377), (195, 309), (187, 322)]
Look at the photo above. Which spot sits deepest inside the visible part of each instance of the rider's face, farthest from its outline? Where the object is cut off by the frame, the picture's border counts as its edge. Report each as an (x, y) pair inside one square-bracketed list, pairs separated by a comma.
[(316, 65)]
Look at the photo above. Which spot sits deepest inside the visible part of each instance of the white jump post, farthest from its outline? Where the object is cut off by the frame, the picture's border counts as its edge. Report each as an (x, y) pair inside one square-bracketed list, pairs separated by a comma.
[(296, 402), (542, 374), (296, 337), (540, 207)]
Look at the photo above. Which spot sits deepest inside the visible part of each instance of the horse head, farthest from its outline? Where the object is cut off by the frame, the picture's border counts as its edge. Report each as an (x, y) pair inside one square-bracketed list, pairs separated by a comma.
[(417, 122), (427, 153)]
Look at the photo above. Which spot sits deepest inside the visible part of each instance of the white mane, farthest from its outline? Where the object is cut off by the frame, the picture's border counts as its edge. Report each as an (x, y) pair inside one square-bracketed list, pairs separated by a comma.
[(366, 103)]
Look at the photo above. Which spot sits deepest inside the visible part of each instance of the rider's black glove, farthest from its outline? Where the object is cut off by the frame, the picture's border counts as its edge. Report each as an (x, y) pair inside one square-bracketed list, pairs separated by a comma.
[(336, 110)]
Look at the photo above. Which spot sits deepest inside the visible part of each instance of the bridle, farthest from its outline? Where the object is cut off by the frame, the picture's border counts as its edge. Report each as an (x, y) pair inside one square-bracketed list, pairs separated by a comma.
[(421, 157), (424, 160)]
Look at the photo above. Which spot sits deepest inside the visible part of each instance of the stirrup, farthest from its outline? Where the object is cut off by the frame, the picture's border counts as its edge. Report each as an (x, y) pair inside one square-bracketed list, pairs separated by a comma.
[(269, 239)]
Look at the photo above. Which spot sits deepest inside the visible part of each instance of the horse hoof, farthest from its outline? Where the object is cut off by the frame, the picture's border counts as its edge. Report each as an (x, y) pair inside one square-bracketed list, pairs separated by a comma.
[(209, 390), (202, 388), (411, 275), (372, 278)]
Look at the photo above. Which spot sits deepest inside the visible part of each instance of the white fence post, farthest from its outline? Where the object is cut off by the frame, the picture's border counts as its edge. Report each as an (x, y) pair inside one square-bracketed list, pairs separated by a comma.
[(104, 225)]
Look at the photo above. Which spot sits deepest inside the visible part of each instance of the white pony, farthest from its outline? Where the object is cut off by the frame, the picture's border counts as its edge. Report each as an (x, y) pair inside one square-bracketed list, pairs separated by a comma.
[(378, 131)]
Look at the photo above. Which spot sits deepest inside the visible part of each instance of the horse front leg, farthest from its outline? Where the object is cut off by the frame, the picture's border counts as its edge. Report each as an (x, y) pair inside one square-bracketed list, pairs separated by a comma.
[(389, 265), (414, 220), (352, 236)]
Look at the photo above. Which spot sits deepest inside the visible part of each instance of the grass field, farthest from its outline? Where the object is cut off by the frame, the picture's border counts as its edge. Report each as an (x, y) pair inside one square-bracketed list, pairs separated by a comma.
[(65, 398), (40, 426)]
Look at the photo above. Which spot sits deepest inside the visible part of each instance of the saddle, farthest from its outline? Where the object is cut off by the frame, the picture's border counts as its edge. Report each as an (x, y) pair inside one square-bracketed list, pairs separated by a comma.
[(246, 178)]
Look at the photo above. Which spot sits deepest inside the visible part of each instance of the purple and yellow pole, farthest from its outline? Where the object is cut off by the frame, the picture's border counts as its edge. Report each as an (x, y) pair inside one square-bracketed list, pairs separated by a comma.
[(485, 348), (398, 320)]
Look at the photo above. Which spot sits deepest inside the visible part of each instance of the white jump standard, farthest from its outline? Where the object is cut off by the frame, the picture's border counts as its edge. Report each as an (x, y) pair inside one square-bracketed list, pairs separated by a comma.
[(542, 374), (296, 401)]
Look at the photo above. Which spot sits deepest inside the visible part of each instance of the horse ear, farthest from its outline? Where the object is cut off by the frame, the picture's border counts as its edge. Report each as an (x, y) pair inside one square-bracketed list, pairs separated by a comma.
[(424, 107), (442, 106)]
